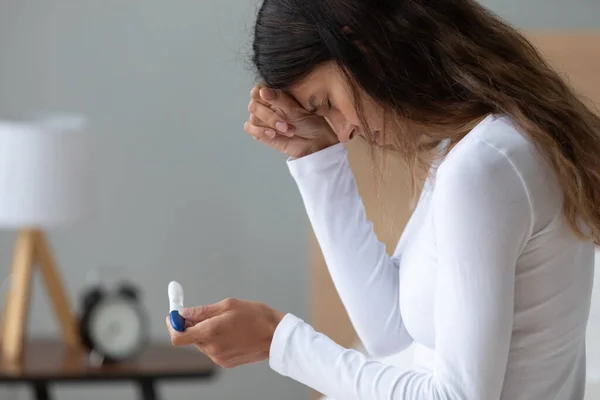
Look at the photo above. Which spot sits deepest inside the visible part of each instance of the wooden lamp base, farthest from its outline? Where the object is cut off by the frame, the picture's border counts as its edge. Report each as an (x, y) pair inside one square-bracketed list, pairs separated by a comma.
[(32, 249)]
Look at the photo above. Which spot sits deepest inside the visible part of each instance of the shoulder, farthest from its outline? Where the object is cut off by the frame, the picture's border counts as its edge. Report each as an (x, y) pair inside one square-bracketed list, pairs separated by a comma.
[(493, 165), (496, 159), (496, 151), (493, 152), (496, 141)]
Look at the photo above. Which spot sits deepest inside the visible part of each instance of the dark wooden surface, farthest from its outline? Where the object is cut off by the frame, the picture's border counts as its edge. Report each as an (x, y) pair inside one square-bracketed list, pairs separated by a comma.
[(51, 361)]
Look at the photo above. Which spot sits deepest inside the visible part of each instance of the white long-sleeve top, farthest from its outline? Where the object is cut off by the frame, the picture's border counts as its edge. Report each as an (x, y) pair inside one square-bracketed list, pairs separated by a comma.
[(487, 276)]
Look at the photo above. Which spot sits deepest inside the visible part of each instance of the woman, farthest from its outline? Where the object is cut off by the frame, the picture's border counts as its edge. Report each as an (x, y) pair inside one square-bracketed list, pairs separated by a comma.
[(493, 273)]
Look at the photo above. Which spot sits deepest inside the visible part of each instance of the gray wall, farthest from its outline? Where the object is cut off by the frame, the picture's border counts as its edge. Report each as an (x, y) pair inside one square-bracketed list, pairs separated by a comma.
[(548, 14), (181, 192)]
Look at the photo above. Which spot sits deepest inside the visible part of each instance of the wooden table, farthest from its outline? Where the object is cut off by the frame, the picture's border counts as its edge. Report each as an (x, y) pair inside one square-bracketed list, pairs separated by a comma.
[(49, 361)]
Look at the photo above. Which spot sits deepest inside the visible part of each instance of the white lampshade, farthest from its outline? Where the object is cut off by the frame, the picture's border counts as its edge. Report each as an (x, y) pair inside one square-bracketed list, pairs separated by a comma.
[(44, 171)]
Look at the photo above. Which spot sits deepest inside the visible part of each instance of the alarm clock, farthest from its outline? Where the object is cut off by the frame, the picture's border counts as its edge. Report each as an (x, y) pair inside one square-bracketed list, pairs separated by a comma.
[(112, 323)]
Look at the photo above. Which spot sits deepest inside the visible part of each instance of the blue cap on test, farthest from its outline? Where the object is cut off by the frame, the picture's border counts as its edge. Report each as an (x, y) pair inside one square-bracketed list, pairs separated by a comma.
[(175, 304), (177, 321)]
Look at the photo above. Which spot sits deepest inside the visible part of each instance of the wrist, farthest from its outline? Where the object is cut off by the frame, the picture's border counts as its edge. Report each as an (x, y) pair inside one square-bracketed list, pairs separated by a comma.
[(322, 146), (317, 147), (273, 320)]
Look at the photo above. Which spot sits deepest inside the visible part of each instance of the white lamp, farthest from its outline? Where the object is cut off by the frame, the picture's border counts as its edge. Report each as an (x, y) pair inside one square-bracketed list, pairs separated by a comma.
[(43, 184)]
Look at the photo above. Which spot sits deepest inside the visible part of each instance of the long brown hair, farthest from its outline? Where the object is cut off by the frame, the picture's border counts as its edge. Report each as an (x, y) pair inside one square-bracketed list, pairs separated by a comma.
[(439, 65)]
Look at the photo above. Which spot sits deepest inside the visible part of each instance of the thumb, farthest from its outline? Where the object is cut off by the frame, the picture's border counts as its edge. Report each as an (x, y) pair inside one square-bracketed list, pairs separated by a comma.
[(199, 313)]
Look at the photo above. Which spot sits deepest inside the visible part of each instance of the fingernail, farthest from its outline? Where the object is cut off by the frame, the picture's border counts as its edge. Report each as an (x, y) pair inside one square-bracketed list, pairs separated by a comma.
[(270, 133), (267, 94), (184, 312), (281, 126)]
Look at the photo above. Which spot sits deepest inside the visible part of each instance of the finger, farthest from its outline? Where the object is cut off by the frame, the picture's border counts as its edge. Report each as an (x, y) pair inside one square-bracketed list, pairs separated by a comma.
[(204, 312), (169, 327), (185, 338), (270, 117), (255, 95), (188, 324), (254, 120), (207, 334), (278, 98), (199, 313), (257, 127), (279, 142), (180, 339), (259, 132), (176, 336)]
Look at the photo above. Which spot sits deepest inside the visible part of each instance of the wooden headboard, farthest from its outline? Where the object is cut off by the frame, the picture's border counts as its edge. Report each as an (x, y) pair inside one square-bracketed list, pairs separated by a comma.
[(575, 55)]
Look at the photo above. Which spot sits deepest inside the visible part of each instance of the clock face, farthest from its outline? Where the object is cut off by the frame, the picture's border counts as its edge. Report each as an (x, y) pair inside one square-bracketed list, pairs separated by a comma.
[(116, 327)]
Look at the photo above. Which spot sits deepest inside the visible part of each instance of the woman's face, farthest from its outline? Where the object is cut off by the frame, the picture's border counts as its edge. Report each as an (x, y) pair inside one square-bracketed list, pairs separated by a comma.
[(326, 93)]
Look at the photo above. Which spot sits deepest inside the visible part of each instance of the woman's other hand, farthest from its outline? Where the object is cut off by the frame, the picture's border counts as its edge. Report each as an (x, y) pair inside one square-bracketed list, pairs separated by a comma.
[(279, 121), (231, 332)]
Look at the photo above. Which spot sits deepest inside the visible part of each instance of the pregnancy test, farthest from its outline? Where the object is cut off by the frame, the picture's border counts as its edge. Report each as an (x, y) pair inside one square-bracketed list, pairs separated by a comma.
[(175, 304)]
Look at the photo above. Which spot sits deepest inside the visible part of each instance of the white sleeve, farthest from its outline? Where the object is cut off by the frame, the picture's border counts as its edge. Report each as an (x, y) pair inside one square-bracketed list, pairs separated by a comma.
[(482, 218), (365, 277)]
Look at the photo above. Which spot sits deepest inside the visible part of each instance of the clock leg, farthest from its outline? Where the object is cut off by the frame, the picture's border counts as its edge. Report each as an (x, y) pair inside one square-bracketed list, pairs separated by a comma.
[(147, 389), (41, 391)]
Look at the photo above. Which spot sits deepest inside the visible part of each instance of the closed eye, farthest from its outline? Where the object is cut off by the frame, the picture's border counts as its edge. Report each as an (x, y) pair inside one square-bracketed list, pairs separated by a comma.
[(313, 108)]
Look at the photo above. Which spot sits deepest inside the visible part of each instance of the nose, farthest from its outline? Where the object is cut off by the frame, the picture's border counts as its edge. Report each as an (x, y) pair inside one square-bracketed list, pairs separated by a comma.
[(341, 126)]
